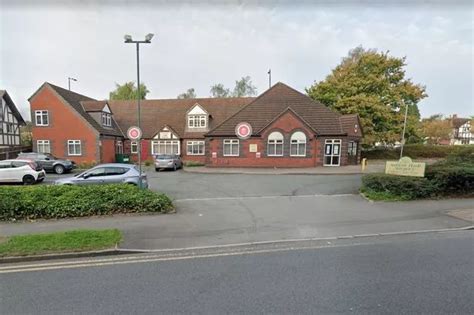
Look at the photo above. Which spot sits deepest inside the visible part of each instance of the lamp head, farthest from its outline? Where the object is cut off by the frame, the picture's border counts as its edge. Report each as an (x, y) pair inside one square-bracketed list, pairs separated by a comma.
[(148, 37), (127, 38)]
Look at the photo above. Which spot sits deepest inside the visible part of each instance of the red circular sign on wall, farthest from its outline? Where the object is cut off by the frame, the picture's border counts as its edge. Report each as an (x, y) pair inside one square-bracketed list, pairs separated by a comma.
[(243, 130), (134, 133)]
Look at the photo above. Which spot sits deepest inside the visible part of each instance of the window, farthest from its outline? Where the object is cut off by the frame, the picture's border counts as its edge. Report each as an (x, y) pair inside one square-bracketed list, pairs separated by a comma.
[(9, 128), (197, 121), (352, 148), (165, 147), (106, 119), (231, 147), (298, 144), (195, 147), (110, 171), (119, 147), (275, 144), (96, 172), (332, 152), (74, 147), (134, 147), (42, 118), (43, 146)]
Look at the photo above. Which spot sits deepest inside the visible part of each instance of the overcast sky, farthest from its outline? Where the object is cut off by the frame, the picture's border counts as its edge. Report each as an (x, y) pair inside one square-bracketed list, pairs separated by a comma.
[(197, 44)]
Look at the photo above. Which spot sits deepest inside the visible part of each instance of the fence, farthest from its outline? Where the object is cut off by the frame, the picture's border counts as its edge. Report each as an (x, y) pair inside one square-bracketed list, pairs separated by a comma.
[(12, 152)]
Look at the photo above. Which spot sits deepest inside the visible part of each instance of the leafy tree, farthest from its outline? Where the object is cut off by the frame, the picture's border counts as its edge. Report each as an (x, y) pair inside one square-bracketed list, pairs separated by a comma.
[(128, 91), (26, 134), (218, 90), (188, 94), (244, 87), (373, 85), (435, 128)]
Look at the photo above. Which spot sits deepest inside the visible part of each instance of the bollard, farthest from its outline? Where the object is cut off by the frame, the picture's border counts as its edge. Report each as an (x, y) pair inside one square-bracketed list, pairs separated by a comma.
[(364, 164)]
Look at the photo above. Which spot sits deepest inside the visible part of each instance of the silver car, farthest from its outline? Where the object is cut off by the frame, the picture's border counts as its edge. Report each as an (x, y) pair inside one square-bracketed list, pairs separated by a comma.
[(113, 173), (168, 161)]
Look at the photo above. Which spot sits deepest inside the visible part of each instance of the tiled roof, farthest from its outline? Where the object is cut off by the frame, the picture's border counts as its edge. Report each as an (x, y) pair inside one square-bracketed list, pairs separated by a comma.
[(12, 106), (263, 110), (74, 99), (348, 123), (93, 106), (155, 114), (458, 122)]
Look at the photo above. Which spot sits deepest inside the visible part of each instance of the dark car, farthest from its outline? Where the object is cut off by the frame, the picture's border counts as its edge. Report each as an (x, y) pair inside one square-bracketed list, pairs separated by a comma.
[(49, 162)]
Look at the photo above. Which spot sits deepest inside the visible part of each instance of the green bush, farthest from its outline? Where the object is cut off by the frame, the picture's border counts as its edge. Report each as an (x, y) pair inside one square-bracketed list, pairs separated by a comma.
[(416, 151), (86, 165), (46, 202), (403, 187)]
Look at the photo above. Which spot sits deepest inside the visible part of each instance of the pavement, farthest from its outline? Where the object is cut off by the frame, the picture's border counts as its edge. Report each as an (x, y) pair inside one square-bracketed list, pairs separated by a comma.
[(404, 274), (220, 209)]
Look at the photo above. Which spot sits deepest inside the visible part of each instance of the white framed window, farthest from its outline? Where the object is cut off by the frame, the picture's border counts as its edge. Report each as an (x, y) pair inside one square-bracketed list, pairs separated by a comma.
[(195, 147), (118, 147), (197, 121), (43, 146), (165, 147), (42, 118), (134, 147), (275, 144), (298, 144), (106, 120), (74, 147), (332, 152), (231, 147), (9, 127)]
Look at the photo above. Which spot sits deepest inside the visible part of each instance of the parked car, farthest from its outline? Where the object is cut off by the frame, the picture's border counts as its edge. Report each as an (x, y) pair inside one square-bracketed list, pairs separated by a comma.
[(113, 173), (27, 172), (49, 162), (168, 161)]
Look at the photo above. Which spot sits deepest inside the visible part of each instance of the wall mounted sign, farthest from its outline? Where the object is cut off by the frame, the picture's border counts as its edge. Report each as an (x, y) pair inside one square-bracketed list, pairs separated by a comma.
[(405, 167), (214, 155), (243, 130), (253, 147), (257, 155), (165, 135), (134, 133)]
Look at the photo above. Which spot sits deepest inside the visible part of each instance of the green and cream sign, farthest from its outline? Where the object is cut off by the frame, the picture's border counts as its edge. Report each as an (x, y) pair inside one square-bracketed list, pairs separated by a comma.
[(405, 167)]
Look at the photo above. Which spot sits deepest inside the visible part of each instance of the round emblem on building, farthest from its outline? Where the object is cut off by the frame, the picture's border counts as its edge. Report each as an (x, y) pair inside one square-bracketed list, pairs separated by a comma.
[(134, 133), (243, 130)]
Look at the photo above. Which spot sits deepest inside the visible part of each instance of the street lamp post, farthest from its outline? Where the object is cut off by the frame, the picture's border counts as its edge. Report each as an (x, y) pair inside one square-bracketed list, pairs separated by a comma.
[(128, 40), (69, 79), (404, 128)]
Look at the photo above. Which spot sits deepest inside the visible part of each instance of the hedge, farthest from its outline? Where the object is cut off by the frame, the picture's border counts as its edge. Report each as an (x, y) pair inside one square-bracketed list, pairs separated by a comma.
[(46, 202), (453, 176), (414, 151)]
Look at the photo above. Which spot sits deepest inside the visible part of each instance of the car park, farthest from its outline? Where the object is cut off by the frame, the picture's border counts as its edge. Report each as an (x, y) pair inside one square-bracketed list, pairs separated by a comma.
[(112, 173), (168, 161), (49, 162), (23, 171)]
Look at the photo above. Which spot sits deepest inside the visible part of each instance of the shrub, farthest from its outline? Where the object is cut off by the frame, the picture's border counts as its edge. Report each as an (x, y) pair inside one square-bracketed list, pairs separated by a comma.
[(404, 187), (148, 162), (34, 202), (416, 151), (86, 165)]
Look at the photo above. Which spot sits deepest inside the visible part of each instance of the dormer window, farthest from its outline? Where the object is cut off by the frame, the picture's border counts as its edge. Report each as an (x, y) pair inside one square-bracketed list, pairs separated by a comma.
[(106, 119), (197, 121)]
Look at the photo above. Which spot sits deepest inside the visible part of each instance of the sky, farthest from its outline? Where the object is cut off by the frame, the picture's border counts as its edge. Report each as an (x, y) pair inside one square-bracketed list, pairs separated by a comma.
[(201, 43)]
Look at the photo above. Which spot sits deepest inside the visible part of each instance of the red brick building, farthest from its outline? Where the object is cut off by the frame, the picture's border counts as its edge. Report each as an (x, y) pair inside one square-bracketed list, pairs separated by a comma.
[(288, 129)]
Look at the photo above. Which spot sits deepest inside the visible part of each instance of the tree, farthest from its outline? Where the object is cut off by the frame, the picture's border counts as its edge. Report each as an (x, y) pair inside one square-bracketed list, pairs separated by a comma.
[(243, 87), (26, 135), (373, 85), (218, 90), (128, 91), (188, 94), (436, 128)]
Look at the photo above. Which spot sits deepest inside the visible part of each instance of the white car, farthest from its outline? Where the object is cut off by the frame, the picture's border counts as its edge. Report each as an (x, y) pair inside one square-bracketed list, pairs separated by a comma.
[(21, 171)]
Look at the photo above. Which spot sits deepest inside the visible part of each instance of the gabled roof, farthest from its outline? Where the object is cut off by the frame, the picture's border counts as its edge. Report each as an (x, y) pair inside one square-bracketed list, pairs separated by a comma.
[(458, 122), (263, 110), (348, 123), (155, 114), (74, 100), (12, 106)]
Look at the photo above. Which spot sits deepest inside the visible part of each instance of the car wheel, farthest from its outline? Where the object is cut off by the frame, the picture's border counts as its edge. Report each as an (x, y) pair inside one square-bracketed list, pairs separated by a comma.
[(59, 169), (28, 180), (157, 169)]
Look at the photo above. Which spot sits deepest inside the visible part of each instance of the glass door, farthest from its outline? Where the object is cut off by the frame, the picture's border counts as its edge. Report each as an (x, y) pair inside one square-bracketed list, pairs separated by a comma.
[(332, 152)]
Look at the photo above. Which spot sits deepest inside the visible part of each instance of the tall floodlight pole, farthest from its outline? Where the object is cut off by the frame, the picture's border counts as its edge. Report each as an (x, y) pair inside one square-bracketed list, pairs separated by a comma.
[(69, 79), (404, 128), (269, 78), (128, 39)]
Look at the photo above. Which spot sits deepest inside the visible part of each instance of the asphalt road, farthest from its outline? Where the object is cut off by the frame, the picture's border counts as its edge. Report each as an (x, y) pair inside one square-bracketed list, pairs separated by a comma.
[(410, 274)]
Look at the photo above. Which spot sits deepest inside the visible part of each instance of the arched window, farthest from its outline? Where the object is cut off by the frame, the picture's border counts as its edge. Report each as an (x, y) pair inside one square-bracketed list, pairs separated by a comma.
[(275, 144), (298, 144)]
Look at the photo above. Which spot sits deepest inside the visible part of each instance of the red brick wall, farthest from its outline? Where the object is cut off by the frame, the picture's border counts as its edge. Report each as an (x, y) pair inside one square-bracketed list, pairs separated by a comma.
[(64, 124)]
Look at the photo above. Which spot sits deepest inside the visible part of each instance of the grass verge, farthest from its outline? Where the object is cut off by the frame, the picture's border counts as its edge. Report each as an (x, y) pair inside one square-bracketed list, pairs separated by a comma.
[(60, 242)]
